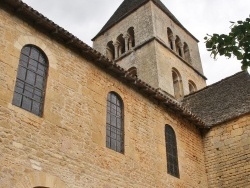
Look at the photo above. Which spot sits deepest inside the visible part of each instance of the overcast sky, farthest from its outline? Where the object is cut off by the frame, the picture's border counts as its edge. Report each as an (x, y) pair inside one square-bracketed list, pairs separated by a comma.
[(85, 18)]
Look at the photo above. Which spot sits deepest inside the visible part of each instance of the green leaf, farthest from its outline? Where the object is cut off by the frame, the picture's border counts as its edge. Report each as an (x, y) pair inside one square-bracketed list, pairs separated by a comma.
[(236, 43), (209, 44)]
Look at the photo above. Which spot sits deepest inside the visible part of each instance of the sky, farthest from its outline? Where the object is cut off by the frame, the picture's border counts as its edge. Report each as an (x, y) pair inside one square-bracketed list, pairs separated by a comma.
[(85, 18)]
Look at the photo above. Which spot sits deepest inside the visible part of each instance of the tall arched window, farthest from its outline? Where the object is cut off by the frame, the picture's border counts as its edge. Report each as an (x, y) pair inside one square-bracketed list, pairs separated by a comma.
[(171, 151), (31, 80), (110, 50), (170, 38), (131, 42), (177, 83), (192, 87), (114, 123), (187, 56)]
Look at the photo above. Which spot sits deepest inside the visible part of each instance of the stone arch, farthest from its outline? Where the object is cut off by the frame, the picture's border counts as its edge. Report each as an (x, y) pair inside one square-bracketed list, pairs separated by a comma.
[(177, 84), (178, 46), (131, 39), (133, 71), (40, 180), (110, 50), (170, 38), (121, 45), (191, 86), (186, 50), (25, 40)]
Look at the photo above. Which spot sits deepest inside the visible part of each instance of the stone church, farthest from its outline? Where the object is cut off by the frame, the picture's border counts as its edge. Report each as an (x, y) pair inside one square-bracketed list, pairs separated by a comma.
[(134, 111)]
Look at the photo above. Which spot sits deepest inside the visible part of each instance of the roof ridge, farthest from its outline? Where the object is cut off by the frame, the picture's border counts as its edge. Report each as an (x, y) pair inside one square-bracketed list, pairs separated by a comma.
[(129, 6)]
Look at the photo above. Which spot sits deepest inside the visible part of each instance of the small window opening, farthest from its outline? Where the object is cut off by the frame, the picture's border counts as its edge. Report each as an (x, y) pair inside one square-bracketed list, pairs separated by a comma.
[(131, 42), (121, 47), (133, 71), (110, 50), (170, 38), (187, 53), (177, 84), (192, 86), (178, 45)]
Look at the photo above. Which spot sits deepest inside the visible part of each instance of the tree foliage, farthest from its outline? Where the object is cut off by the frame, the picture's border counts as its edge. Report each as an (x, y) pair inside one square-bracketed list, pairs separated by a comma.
[(236, 43)]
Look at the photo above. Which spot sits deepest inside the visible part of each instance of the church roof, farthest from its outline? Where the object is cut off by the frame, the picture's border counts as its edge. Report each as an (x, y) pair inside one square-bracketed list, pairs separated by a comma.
[(222, 101), (129, 6)]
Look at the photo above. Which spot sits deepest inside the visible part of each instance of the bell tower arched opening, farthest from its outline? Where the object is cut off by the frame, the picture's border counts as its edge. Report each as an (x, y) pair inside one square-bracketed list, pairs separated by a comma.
[(110, 50), (121, 45), (177, 84), (131, 40)]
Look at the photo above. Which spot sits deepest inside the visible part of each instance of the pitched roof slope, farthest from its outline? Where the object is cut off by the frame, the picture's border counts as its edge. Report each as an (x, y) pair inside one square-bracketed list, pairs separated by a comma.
[(129, 6), (222, 101)]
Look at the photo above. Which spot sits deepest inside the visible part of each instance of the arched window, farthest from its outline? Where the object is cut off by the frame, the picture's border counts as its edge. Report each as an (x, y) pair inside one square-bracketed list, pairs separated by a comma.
[(186, 53), (170, 38), (31, 80), (131, 41), (178, 45), (177, 83), (114, 123), (171, 152), (121, 47), (192, 87), (110, 50)]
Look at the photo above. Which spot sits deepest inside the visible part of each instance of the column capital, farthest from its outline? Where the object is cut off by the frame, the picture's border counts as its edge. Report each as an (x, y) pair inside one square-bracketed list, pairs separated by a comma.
[(172, 38), (116, 44), (127, 36), (180, 45)]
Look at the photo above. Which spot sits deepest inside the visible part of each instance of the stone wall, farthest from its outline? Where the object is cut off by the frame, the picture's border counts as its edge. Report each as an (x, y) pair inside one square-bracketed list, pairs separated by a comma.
[(166, 61), (227, 154), (162, 22), (66, 146)]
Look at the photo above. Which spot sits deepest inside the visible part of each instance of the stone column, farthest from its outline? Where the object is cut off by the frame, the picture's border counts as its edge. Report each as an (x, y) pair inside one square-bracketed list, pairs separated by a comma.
[(172, 38), (127, 43), (182, 50), (116, 45)]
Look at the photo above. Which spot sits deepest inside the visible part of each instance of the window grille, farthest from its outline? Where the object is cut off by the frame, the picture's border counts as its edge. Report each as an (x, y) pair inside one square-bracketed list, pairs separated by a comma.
[(171, 148), (114, 123), (31, 80)]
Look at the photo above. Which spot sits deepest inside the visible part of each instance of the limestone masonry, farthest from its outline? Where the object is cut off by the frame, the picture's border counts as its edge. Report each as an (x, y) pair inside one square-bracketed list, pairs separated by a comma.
[(134, 111)]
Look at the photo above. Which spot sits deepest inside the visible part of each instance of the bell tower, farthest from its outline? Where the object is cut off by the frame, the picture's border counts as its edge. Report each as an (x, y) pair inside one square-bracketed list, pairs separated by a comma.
[(144, 37)]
